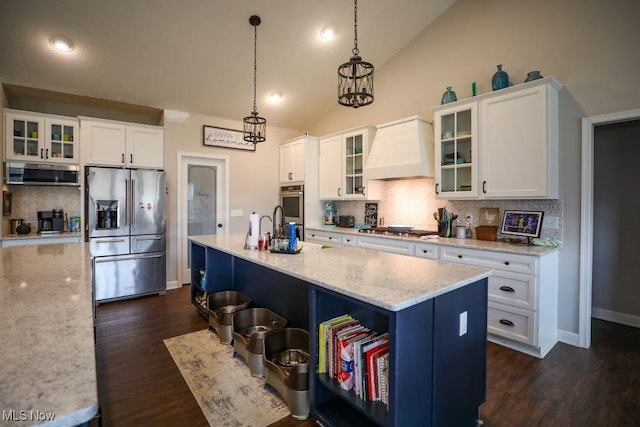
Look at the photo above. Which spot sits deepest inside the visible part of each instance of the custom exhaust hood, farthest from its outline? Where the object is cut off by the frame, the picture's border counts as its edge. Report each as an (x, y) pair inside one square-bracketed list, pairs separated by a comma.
[(401, 149)]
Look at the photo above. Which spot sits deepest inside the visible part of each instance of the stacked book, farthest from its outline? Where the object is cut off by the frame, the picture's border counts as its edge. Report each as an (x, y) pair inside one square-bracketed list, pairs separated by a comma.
[(355, 356)]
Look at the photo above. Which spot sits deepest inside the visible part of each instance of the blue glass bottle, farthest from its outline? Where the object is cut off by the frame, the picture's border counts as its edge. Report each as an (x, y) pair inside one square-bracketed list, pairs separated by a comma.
[(449, 96), (292, 237), (500, 79)]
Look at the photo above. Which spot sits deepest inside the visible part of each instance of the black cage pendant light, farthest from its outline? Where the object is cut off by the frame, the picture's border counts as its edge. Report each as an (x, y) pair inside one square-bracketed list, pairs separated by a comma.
[(355, 78), (255, 127)]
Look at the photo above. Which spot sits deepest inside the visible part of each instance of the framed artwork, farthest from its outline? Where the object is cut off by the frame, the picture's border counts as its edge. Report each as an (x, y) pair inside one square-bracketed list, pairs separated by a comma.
[(490, 216), (522, 223), (225, 138), (6, 203)]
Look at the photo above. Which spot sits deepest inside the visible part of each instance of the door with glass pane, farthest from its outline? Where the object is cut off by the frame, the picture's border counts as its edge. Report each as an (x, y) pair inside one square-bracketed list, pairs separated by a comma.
[(201, 204)]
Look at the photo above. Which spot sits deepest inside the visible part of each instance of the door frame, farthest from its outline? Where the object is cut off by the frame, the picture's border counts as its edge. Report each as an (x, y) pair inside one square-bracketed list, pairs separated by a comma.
[(586, 215), (222, 198)]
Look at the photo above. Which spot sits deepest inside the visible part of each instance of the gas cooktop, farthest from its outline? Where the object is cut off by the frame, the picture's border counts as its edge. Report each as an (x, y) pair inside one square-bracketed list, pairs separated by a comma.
[(386, 231)]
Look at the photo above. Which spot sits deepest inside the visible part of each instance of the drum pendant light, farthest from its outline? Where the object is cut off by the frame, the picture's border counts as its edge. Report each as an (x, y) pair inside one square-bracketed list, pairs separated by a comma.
[(255, 127), (355, 78)]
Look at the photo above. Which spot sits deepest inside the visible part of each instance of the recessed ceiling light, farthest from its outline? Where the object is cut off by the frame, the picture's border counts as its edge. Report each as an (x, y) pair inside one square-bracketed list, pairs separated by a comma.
[(275, 98), (62, 44), (326, 33)]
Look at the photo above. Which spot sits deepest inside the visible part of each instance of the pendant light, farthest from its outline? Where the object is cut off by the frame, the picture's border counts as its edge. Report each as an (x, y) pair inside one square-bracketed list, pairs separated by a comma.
[(255, 127), (355, 78)]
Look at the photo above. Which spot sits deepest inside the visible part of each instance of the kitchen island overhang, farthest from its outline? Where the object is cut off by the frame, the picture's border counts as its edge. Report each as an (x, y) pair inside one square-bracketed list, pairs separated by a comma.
[(437, 365)]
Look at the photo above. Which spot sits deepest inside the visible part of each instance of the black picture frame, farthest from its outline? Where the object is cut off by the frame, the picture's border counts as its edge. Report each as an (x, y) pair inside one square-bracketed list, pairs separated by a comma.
[(214, 136), (522, 223)]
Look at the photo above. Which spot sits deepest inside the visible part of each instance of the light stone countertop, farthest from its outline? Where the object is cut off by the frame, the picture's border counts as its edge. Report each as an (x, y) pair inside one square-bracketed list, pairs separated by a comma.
[(41, 236), (47, 351), (390, 281), (454, 242)]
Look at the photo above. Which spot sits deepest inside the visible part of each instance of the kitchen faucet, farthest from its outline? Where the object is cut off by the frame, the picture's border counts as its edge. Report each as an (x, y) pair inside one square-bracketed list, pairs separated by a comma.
[(277, 233), (260, 226)]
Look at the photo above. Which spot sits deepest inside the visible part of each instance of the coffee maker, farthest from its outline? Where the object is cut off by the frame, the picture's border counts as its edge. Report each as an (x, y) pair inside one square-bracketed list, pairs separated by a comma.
[(51, 221)]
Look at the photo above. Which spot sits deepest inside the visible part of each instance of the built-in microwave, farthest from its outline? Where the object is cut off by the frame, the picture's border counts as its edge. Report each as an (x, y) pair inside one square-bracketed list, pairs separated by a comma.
[(292, 202), (25, 173)]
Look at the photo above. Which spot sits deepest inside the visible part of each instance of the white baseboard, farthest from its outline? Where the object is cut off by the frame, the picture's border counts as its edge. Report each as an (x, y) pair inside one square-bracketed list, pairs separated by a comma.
[(172, 285), (567, 337), (612, 316)]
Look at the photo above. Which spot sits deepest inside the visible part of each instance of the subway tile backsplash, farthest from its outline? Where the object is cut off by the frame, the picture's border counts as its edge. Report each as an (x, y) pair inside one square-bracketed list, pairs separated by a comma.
[(412, 202), (27, 200)]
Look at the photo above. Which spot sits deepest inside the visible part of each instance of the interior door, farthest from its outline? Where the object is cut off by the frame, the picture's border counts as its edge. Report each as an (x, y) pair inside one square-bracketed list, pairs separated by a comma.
[(202, 200)]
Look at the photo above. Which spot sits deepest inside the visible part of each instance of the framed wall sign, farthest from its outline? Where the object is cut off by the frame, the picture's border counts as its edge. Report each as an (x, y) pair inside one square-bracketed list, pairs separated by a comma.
[(522, 223), (225, 138)]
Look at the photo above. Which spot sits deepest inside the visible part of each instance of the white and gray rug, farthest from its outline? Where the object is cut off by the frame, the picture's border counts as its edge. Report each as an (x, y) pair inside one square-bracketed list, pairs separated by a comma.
[(222, 384)]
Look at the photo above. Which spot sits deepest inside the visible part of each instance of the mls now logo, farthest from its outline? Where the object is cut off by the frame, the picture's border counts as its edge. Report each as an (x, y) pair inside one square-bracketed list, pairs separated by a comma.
[(30, 415)]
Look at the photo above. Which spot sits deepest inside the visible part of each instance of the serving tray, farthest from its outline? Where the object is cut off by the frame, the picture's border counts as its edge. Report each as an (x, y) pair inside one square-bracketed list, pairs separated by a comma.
[(278, 251)]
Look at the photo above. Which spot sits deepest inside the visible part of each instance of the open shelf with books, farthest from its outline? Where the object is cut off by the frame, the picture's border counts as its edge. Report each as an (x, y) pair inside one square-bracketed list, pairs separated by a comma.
[(198, 265)]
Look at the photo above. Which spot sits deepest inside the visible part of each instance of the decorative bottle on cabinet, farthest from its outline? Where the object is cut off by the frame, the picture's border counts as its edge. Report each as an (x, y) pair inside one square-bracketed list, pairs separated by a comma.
[(500, 79), (449, 96), (533, 75)]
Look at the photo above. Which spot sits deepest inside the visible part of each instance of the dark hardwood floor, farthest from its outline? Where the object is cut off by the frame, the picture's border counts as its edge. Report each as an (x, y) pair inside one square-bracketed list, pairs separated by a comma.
[(139, 384)]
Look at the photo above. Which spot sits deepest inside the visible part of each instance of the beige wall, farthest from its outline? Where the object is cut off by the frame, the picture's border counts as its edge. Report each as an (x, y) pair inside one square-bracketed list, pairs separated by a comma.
[(253, 176), (589, 45)]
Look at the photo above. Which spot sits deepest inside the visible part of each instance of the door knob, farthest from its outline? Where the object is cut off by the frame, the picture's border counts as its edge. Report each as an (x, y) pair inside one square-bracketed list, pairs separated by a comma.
[(219, 225)]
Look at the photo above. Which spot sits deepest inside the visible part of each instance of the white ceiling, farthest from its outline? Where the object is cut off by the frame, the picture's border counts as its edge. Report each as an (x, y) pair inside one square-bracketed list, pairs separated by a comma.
[(197, 55)]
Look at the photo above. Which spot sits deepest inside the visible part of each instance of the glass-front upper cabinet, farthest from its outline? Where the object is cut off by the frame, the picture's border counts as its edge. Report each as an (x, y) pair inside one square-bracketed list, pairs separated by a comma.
[(35, 137), (24, 137), (353, 164), (456, 149)]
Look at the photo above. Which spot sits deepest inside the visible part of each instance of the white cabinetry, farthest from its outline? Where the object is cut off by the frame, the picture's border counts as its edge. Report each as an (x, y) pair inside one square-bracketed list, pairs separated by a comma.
[(292, 161), (341, 164), (500, 145), (523, 297), (383, 244), (34, 137), (110, 143), (321, 236)]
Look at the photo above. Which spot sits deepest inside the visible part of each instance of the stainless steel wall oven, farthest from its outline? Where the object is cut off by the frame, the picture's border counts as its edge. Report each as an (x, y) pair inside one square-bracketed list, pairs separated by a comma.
[(292, 201)]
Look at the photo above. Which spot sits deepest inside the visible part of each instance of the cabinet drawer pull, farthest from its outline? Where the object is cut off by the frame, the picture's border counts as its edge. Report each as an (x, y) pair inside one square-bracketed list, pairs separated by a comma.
[(484, 187), (348, 240), (437, 185), (424, 251), (507, 289), (460, 256), (330, 237), (123, 158), (506, 263), (313, 235), (507, 322), (339, 195), (42, 153)]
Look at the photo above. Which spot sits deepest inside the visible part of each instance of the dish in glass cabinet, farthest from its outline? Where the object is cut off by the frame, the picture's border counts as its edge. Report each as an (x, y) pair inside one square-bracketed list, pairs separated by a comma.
[(460, 134)]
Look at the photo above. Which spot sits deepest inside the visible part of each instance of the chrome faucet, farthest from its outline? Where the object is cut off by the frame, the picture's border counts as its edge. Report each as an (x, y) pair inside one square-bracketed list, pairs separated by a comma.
[(260, 226), (276, 232)]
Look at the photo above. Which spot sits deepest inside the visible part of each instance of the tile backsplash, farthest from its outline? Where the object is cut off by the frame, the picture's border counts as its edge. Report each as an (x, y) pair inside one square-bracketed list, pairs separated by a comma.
[(27, 200), (412, 202)]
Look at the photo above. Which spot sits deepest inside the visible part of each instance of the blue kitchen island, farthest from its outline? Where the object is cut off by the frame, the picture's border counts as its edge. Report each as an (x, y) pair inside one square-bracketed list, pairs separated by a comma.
[(435, 314)]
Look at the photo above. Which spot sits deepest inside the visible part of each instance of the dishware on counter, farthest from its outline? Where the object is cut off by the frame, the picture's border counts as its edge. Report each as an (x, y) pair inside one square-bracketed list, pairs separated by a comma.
[(14, 224), (23, 229)]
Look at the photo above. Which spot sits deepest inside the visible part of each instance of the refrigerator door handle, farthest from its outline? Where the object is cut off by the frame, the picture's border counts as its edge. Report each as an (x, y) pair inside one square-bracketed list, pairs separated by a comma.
[(126, 202), (102, 259), (110, 241), (133, 202)]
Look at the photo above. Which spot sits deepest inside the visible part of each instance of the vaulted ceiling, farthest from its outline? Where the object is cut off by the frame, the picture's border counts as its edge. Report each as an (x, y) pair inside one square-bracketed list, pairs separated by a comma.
[(197, 55)]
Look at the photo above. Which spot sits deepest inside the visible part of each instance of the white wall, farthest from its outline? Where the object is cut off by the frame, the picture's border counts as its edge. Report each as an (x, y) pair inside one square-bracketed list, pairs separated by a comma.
[(253, 176), (589, 45)]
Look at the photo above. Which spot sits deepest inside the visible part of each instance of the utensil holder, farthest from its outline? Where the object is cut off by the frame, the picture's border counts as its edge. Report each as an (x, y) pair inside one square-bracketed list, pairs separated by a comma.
[(444, 228)]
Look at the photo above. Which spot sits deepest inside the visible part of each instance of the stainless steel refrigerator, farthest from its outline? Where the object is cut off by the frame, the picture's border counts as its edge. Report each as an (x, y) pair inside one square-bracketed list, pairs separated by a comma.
[(126, 222)]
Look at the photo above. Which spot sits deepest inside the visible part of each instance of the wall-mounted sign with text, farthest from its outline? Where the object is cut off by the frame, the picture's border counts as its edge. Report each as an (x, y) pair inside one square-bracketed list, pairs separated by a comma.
[(225, 138)]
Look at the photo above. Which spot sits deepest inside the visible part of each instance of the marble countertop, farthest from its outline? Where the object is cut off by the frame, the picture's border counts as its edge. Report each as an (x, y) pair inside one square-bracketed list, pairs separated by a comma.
[(40, 236), (452, 241), (47, 350), (390, 281)]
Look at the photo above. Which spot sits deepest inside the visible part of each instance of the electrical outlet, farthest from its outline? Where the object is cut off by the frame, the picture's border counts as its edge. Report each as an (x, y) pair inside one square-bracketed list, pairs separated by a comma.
[(469, 218), (550, 222), (463, 323)]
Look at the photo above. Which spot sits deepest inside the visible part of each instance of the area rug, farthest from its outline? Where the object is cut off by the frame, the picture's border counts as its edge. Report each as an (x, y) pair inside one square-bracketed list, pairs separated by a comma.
[(222, 384)]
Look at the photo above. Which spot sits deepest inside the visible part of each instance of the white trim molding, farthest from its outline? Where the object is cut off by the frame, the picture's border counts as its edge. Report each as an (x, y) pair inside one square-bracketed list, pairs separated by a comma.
[(612, 316), (586, 215)]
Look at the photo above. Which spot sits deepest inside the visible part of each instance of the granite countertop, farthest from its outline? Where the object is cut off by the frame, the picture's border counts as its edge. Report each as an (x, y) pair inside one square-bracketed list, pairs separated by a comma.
[(47, 351), (452, 241), (390, 281), (34, 235)]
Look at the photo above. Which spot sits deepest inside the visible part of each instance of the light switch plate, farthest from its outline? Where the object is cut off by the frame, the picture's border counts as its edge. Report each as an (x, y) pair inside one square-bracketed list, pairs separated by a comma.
[(463, 323)]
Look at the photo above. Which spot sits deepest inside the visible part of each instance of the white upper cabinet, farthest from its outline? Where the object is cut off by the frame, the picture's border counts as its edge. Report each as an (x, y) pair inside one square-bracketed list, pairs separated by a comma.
[(341, 166), (292, 157), (520, 144), (499, 145), (110, 143), (34, 137)]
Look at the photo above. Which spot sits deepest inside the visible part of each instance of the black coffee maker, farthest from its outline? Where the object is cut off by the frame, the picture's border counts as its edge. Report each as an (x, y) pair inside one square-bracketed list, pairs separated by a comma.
[(51, 221)]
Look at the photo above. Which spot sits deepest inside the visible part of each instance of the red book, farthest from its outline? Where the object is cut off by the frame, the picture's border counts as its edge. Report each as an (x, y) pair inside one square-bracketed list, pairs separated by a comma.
[(331, 342), (372, 368)]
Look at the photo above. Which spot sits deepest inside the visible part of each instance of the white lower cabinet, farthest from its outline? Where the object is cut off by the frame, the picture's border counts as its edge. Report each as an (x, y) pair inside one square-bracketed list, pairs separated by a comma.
[(401, 247), (425, 250), (323, 237), (523, 297)]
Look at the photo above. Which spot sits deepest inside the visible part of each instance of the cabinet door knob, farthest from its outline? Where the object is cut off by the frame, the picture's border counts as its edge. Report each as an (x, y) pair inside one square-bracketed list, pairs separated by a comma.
[(123, 158), (507, 322), (507, 289), (219, 225), (363, 193), (484, 187), (437, 185)]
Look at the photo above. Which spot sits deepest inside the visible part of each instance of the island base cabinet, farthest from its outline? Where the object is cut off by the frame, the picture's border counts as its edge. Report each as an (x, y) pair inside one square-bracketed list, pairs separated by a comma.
[(437, 361)]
